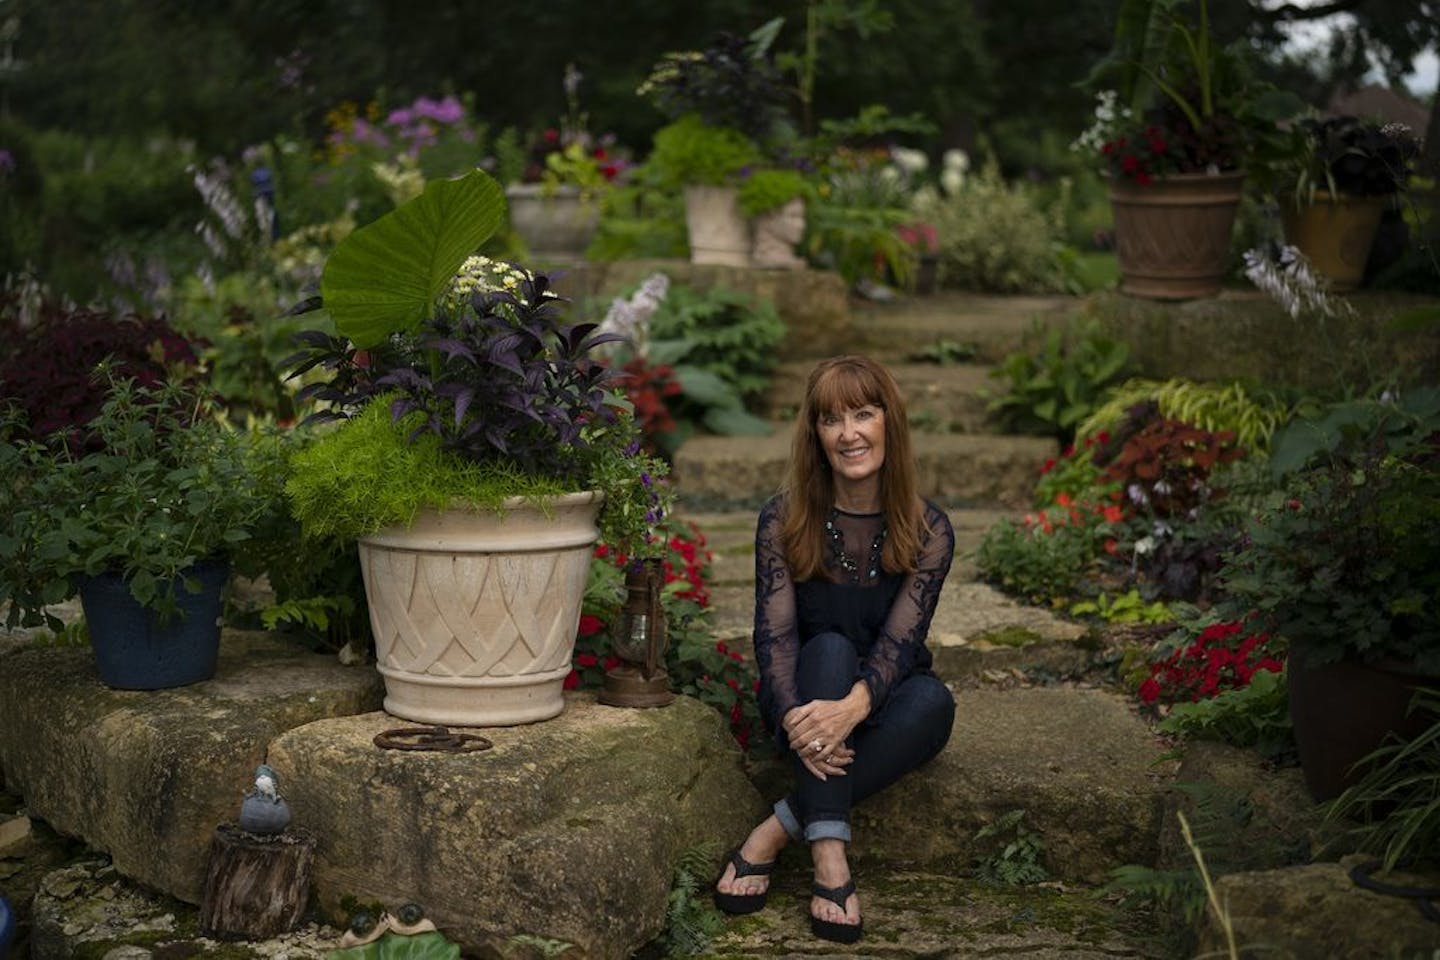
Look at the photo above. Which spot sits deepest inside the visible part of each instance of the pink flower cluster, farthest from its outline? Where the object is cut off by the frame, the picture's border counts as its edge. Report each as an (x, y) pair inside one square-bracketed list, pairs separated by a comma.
[(1215, 662)]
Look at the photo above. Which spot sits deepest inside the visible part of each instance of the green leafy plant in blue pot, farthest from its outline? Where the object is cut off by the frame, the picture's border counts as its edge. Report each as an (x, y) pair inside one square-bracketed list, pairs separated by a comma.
[(145, 527)]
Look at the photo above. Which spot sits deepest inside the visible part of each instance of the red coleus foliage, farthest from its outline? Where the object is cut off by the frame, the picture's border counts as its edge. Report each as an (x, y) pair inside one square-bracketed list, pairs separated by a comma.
[(647, 387), (1168, 463), (1223, 657)]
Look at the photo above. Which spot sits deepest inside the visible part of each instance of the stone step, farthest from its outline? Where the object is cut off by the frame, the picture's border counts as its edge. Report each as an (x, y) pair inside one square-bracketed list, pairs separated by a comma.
[(941, 398), (992, 326), (953, 468)]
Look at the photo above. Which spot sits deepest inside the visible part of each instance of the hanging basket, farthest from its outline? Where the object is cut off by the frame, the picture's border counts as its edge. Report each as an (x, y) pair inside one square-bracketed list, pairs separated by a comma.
[(1172, 235)]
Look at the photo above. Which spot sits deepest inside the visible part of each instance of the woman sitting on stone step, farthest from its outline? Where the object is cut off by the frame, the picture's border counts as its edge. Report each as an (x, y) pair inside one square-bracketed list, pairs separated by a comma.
[(849, 562)]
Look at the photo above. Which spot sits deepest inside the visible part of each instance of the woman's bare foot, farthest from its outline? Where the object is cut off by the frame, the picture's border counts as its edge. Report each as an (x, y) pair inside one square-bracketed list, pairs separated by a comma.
[(832, 870), (762, 846)]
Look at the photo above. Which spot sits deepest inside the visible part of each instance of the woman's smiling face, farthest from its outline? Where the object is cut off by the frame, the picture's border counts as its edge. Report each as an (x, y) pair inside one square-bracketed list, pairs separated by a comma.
[(854, 441)]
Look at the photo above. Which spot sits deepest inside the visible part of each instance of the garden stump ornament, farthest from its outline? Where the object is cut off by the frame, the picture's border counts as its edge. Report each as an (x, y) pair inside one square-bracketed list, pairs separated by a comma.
[(257, 878)]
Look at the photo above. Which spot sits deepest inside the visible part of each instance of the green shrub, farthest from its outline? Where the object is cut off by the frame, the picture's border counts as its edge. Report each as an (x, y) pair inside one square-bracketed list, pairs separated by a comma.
[(689, 151), (1039, 559), (993, 237), (768, 190), (1056, 389), (728, 334)]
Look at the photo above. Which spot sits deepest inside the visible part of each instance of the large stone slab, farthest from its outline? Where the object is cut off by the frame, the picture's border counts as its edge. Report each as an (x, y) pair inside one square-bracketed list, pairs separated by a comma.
[(146, 776), (567, 830), (912, 913), (1297, 913), (1079, 762), (952, 398)]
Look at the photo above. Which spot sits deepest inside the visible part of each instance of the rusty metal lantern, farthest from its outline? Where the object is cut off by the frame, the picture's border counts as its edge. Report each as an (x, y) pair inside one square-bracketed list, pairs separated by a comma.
[(639, 641)]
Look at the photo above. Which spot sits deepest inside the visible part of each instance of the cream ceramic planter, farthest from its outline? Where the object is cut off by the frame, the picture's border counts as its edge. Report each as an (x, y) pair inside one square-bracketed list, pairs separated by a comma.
[(718, 233), (556, 224), (475, 614)]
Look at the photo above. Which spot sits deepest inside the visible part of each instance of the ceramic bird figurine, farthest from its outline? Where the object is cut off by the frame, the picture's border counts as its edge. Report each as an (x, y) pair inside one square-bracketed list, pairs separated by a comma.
[(265, 782), (264, 811)]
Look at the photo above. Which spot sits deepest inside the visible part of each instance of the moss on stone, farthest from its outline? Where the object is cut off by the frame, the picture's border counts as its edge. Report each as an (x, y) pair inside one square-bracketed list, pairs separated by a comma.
[(1011, 636)]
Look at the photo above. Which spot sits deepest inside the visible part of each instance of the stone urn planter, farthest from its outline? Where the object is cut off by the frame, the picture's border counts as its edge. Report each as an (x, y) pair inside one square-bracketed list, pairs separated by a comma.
[(475, 613), (1335, 233), (556, 223), (719, 234), (1172, 236)]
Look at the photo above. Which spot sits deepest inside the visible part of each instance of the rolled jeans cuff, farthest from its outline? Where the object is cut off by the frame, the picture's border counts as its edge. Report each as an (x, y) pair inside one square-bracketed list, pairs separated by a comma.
[(827, 830), (787, 819)]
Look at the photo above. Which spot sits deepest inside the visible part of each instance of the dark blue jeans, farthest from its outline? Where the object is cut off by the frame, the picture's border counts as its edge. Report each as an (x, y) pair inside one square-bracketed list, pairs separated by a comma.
[(912, 726)]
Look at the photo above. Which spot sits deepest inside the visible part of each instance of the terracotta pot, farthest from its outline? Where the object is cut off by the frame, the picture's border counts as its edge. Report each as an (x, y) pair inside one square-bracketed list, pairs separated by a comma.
[(1342, 712), (557, 224), (719, 234), (1335, 233), (1172, 236), (475, 614)]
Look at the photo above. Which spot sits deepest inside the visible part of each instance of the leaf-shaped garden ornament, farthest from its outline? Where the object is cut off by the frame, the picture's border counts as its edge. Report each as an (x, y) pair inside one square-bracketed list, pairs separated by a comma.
[(386, 276)]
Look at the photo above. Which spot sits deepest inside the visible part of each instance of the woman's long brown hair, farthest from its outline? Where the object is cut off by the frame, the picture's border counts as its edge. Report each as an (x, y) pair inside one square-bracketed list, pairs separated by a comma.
[(836, 385)]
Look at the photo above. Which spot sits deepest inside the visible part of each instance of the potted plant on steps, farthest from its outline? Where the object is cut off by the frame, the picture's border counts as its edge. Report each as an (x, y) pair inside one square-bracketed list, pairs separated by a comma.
[(555, 209), (142, 512), (475, 443), (726, 107), (1344, 563), (1179, 117), (1346, 172)]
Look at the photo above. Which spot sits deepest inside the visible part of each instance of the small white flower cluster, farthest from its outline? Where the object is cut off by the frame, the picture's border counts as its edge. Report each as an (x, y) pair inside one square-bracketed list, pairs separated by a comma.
[(631, 318), (1109, 116), (482, 275), (1291, 282), (221, 201), (953, 167)]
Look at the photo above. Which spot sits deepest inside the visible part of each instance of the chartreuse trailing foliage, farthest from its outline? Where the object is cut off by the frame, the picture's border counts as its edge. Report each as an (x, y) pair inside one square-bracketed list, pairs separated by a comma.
[(1216, 407), (354, 480)]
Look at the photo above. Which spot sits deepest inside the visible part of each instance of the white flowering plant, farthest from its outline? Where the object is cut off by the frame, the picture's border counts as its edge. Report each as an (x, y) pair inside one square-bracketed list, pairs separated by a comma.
[(166, 484), (1286, 275)]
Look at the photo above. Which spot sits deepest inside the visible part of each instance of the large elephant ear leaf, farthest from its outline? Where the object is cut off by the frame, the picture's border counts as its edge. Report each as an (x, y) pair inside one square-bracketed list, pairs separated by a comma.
[(386, 276)]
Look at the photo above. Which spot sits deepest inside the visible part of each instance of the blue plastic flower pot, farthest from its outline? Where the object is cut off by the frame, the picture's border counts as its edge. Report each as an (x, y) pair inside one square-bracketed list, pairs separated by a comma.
[(136, 650), (7, 926)]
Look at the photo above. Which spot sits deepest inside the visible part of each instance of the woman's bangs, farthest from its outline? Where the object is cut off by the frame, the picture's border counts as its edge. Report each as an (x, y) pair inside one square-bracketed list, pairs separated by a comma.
[(845, 387)]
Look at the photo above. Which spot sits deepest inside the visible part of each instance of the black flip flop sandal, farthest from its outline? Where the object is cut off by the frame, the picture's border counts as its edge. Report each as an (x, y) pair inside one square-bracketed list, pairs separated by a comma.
[(829, 929), (742, 903)]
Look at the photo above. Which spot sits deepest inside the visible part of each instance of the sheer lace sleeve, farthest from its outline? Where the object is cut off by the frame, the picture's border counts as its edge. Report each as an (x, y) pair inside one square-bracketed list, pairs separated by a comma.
[(893, 655), (777, 633)]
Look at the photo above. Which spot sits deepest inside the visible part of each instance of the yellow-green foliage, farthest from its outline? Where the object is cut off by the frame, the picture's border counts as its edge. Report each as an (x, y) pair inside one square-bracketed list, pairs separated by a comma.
[(1209, 406), (363, 476)]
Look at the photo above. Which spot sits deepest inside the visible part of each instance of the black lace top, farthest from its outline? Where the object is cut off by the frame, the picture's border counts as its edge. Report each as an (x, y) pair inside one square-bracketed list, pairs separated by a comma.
[(886, 615)]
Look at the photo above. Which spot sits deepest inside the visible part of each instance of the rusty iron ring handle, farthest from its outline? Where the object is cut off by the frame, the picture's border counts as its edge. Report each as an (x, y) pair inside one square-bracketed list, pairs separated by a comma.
[(435, 738)]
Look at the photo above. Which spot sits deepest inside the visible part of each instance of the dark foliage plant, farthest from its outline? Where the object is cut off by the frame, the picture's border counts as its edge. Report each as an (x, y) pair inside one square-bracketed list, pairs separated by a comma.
[(501, 376), (49, 370), (1344, 560), (733, 82), (1354, 156)]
